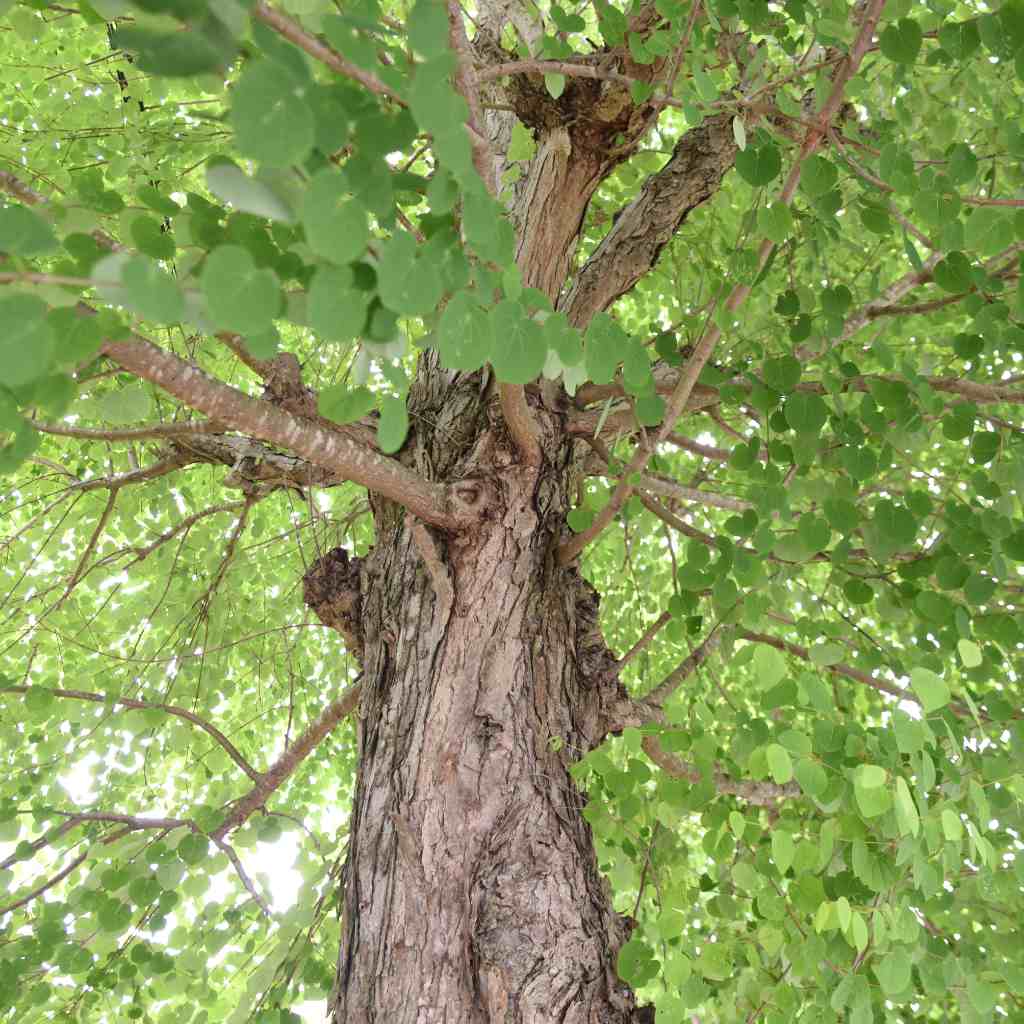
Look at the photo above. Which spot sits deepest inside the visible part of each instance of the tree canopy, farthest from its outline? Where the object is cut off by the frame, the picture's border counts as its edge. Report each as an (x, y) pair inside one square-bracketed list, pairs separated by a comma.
[(785, 326)]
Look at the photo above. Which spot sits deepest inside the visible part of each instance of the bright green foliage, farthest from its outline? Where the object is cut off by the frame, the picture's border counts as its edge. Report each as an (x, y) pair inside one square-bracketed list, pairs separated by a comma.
[(862, 470)]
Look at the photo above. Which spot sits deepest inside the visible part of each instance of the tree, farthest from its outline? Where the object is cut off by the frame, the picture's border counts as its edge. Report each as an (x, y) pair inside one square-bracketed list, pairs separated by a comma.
[(371, 373)]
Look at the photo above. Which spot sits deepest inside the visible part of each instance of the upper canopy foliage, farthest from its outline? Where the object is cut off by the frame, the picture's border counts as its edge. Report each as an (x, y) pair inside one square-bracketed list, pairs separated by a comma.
[(834, 525)]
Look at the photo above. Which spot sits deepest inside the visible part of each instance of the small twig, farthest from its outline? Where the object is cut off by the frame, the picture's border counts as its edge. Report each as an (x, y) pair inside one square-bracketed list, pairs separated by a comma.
[(232, 855)]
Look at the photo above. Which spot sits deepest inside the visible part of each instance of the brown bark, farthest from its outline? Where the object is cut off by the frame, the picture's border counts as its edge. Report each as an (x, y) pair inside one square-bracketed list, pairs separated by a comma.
[(472, 886), (472, 892)]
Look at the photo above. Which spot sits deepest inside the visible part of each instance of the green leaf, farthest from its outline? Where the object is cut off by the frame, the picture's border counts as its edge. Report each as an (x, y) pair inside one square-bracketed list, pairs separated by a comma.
[(487, 229), (604, 343), (952, 826), (408, 285), (344, 404), (775, 222), (970, 653), (953, 274), (959, 38), (26, 341), (555, 84), (393, 425), (427, 25), (229, 182), (930, 689), (177, 54), (239, 296), (806, 413), (519, 350), (141, 285), (337, 308), (151, 239), (272, 121), (780, 764), (907, 818), (335, 224), (893, 972), (759, 166), (769, 666), (989, 230), (24, 233), (783, 849), (901, 41), (465, 337)]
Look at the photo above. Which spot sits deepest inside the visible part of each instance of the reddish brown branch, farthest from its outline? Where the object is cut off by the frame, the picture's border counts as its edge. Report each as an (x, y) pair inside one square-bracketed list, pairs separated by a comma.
[(291, 30), (431, 502)]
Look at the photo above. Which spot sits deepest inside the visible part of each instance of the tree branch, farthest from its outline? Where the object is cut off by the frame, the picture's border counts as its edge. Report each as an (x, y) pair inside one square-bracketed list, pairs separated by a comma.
[(144, 705), (684, 670), (760, 794), (275, 776), (631, 248), (702, 351), (432, 502), (291, 30), (184, 429)]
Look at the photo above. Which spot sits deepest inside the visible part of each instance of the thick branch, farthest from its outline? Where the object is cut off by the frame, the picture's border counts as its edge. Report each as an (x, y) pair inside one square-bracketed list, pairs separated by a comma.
[(631, 248), (260, 419)]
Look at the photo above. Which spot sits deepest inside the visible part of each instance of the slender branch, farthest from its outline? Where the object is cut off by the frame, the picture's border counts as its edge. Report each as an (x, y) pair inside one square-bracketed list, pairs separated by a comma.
[(136, 476), (670, 489), (760, 794), (275, 776), (144, 705), (232, 855), (840, 670), (48, 884), (291, 30), (431, 502), (90, 546), (184, 429), (668, 686), (644, 642)]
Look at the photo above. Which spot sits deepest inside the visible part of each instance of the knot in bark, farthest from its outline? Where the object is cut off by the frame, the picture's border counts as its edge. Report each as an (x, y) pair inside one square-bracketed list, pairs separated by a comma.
[(331, 589)]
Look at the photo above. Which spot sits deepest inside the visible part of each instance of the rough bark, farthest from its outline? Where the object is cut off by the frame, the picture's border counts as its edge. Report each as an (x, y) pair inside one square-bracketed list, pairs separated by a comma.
[(472, 891)]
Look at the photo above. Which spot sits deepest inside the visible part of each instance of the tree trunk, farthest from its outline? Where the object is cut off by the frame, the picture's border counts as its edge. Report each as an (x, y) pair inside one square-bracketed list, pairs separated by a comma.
[(472, 890)]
